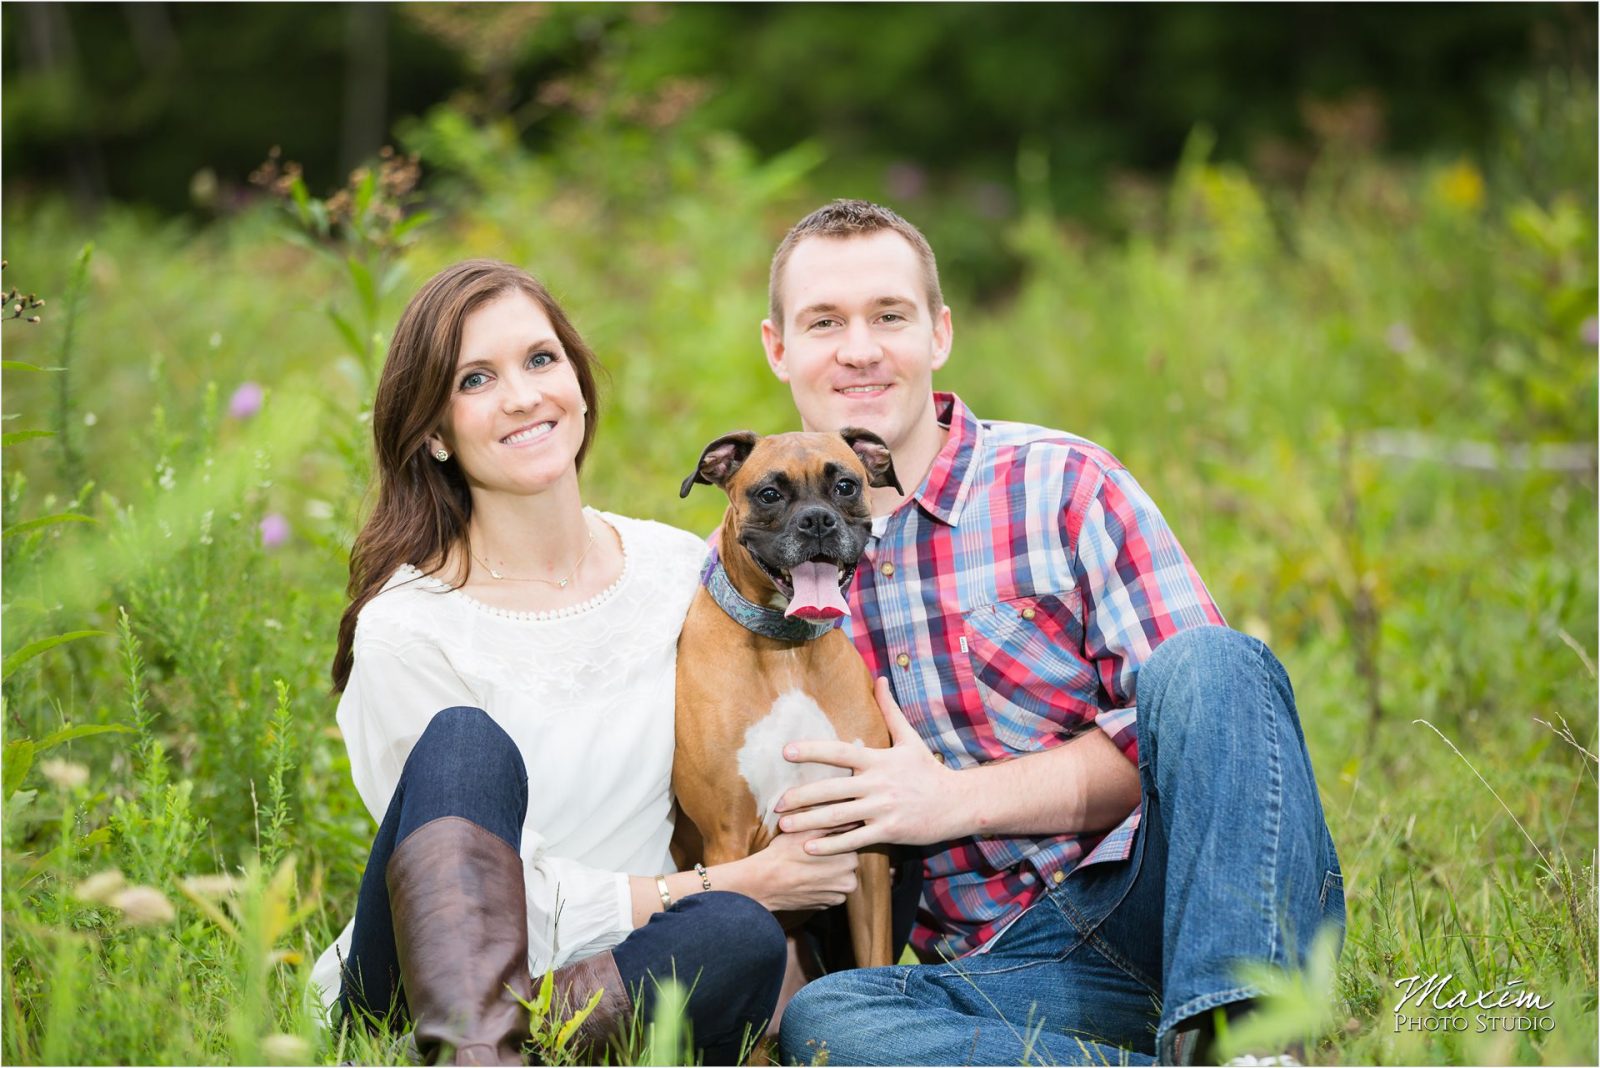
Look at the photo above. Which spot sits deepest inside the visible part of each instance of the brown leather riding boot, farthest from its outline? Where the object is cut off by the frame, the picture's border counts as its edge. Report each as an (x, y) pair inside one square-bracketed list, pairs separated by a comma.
[(460, 930), (576, 984)]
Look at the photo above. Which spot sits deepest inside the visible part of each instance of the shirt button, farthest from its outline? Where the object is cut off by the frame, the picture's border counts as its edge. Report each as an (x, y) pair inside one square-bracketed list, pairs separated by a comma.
[(939, 757), (903, 660), (1028, 613), (1058, 877), (887, 569)]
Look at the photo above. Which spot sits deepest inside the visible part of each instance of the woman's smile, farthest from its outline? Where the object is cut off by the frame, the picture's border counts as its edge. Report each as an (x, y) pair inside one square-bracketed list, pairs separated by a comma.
[(529, 434)]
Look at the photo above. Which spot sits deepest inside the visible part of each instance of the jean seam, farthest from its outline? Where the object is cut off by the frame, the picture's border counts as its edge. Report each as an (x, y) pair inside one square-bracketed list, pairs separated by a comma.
[(1275, 778), (952, 971), (1203, 1003), (1089, 935)]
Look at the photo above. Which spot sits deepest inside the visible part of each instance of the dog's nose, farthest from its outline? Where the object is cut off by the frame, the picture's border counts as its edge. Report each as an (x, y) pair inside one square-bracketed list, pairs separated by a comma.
[(817, 522)]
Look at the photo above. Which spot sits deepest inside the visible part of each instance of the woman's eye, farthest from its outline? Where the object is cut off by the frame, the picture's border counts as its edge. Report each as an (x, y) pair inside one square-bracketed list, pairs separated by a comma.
[(474, 380), (845, 487), (541, 359), (769, 496)]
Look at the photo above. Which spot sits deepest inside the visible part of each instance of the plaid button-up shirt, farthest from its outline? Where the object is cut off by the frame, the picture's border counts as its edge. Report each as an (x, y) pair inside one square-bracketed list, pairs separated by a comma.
[(1010, 601)]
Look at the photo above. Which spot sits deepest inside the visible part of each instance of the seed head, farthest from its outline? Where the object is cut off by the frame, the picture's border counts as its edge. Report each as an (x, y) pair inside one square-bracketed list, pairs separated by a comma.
[(144, 906)]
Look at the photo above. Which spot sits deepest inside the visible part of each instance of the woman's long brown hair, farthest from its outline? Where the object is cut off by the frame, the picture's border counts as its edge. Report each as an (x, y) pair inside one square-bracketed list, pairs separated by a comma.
[(424, 505)]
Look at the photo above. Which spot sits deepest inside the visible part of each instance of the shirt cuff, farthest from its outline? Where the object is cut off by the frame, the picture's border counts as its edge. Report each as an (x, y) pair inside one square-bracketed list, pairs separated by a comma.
[(1122, 726)]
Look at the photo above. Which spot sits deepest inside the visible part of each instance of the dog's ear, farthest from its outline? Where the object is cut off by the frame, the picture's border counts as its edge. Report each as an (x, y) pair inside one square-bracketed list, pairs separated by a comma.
[(874, 454), (720, 460)]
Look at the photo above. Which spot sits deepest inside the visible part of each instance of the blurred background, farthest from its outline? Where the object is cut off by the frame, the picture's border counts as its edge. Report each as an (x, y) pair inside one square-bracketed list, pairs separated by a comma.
[(1322, 276), (170, 106)]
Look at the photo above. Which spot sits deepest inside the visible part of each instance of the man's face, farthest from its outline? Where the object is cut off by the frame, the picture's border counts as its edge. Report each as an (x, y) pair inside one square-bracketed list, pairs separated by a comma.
[(858, 345)]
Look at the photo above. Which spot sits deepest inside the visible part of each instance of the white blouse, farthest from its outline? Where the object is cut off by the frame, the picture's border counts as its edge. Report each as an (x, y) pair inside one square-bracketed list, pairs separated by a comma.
[(585, 692)]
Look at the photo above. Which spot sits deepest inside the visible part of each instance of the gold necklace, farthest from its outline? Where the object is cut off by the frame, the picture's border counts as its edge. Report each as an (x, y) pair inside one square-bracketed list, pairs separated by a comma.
[(559, 584)]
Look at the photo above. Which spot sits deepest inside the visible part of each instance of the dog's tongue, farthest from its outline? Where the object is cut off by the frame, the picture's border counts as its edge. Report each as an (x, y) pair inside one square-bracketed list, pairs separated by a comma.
[(816, 593)]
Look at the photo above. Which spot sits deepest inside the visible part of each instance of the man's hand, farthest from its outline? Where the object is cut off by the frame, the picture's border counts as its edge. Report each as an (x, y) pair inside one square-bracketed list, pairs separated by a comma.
[(901, 794)]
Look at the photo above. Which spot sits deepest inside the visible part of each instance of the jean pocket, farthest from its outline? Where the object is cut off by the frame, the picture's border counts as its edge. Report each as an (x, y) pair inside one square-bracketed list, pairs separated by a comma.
[(1332, 900)]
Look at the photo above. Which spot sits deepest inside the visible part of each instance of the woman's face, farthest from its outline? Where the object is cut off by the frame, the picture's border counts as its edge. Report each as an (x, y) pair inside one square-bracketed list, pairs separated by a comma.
[(515, 420)]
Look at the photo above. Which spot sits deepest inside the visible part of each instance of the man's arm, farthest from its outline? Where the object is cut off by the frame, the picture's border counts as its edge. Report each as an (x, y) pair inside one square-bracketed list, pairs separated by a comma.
[(903, 794), (1138, 588)]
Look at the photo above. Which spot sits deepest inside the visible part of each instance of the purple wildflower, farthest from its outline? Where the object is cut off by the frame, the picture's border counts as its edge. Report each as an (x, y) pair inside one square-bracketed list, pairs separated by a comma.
[(991, 200), (246, 401), (1589, 332), (905, 181), (274, 530), (1399, 338)]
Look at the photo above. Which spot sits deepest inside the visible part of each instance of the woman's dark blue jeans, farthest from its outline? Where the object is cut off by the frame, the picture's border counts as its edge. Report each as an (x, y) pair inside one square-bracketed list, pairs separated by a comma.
[(724, 948)]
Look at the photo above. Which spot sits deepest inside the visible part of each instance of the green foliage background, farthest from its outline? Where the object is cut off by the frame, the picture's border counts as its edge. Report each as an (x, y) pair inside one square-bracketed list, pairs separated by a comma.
[(1365, 400)]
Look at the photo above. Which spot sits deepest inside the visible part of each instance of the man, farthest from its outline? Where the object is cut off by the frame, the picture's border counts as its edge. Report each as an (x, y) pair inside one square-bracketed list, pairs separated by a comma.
[(1112, 789)]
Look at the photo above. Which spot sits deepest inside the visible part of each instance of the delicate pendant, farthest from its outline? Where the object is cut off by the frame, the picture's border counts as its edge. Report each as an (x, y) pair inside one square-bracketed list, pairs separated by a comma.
[(495, 573), (563, 584)]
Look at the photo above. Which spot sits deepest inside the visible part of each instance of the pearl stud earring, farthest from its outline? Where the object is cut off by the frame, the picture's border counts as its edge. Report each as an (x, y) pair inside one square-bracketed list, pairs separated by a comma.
[(441, 456)]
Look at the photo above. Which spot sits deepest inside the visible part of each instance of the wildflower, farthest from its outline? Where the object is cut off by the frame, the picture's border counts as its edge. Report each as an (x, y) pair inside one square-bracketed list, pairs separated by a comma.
[(1460, 186), (101, 887), (90, 419), (64, 774), (991, 200), (286, 1049), (246, 401), (1399, 338), (905, 181), (316, 509), (211, 885), (274, 530), (144, 906), (1589, 332)]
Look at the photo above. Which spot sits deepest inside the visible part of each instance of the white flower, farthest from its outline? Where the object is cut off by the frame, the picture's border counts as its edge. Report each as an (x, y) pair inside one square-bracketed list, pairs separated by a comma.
[(210, 885), (286, 1049), (100, 887), (144, 905), (64, 774)]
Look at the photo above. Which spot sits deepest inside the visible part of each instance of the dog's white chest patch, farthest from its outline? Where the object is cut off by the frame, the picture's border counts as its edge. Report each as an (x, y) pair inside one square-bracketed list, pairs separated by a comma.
[(794, 716)]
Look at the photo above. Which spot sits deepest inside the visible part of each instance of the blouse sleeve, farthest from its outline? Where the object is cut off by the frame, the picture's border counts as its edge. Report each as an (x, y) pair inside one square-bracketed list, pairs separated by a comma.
[(574, 911), (393, 691)]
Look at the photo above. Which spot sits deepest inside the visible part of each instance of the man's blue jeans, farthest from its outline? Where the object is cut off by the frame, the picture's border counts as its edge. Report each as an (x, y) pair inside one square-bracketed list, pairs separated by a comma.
[(1232, 862), (726, 949)]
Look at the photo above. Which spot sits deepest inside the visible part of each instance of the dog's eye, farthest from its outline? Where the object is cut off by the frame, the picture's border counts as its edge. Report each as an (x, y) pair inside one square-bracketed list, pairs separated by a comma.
[(845, 487), (769, 495)]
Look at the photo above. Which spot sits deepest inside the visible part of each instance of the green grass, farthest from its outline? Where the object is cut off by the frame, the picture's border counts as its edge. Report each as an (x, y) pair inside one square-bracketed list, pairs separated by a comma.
[(1244, 349)]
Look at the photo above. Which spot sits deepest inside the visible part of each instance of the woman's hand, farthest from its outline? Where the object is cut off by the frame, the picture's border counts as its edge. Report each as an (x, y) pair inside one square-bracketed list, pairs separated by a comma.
[(784, 877)]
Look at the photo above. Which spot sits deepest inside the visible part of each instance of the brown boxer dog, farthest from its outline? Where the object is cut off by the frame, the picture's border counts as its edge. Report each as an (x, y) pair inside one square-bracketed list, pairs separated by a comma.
[(761, 661)]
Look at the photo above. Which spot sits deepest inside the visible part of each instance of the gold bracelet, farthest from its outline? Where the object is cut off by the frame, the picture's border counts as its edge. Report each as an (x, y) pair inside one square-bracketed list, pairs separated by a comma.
[(666, 895), (705, 880)]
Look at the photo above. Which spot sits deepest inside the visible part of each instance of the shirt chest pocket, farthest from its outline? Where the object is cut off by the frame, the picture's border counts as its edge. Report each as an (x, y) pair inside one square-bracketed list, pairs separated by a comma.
[(1028, 664)]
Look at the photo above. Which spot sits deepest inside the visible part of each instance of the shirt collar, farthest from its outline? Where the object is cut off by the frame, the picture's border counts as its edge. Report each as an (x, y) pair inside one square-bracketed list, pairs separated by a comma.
[(944, 491)]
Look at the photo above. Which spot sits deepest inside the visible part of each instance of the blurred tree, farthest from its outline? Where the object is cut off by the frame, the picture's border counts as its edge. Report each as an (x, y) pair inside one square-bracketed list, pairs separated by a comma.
[(930, 106)]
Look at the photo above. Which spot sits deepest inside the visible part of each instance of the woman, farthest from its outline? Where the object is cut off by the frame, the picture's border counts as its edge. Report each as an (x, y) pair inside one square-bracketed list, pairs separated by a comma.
[(506, 663)]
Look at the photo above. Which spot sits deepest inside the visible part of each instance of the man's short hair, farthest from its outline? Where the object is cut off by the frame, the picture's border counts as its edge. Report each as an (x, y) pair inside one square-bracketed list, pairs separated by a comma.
[(845, 219)]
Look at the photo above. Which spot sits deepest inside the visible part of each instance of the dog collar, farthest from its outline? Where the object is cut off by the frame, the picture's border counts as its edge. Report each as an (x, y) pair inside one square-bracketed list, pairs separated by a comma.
[(758, 619)]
